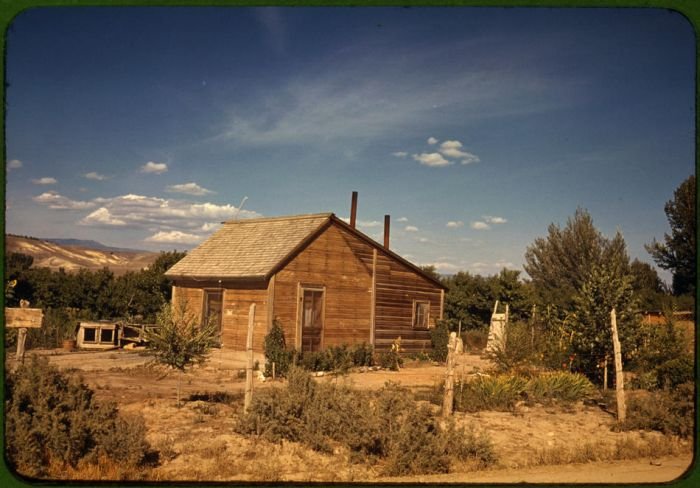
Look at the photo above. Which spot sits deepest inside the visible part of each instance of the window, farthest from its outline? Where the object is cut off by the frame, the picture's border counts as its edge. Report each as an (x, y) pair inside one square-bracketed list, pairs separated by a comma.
[(90, 334), (107, 335), (312, 313), (421, 315), (213, 306)]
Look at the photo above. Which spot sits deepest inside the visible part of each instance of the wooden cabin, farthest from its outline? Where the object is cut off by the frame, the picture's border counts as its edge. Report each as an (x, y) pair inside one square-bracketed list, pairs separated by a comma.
[(325, 282)]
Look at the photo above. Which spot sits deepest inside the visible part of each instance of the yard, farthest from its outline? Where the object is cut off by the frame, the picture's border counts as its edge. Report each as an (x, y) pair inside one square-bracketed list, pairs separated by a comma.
[(533, 442)]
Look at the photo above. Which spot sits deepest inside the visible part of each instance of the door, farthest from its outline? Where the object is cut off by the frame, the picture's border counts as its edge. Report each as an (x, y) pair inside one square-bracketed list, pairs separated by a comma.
[(311, 319), (213, 307)]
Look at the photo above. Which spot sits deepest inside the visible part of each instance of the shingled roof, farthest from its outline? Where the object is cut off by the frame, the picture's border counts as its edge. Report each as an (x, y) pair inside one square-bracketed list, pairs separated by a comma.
[(248, 248), (253, 249)]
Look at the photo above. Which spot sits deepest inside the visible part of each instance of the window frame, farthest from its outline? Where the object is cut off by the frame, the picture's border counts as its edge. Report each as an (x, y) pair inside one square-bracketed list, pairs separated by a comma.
[(417, 304), (207, 292)]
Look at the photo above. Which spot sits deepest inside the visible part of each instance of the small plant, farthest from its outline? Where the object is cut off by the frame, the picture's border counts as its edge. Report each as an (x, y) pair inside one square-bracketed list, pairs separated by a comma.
[(179, 341), (475, 339), (670, 412), (392, 359), (561, 386)]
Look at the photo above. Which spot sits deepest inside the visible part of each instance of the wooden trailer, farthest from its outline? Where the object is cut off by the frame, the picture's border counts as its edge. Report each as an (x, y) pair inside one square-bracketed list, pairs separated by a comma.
[(325, 282)]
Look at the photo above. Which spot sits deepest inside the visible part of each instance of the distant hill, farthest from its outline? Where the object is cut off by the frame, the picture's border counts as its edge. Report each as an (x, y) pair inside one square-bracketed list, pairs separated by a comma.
[(88, 244), (75, 254)]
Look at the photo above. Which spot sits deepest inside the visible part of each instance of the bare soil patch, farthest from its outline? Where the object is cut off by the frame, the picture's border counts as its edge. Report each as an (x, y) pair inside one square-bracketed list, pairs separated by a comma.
[(197, 441)]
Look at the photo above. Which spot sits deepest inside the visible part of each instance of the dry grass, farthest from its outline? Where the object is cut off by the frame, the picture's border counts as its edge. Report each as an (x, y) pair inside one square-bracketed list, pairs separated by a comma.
[(628, 447)]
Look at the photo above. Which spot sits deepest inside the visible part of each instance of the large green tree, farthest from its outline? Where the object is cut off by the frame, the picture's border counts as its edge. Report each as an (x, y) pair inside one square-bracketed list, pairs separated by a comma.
[(678, 251)]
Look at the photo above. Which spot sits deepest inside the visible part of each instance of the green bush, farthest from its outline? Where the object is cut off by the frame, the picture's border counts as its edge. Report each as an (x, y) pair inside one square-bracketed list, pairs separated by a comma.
[(670, 412), (390, 359), (362, 354), (675, 372), (439, 338), (562, 386), (52, 419), (275, 349), (475, 339), (371, 425)]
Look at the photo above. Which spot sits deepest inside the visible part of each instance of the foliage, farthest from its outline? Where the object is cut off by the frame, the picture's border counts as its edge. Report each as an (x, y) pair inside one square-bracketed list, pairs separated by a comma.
[(675, 371), (678, 252), (470, 298), (439, 338), (647, 286), (275, 348), (338, 359), (86, 295), (503, 392), (371, 425), (475, 339), (560, 263), (604, 289), (668, 411), (580, 275), (517, 350), (180, 341), (52, 418)]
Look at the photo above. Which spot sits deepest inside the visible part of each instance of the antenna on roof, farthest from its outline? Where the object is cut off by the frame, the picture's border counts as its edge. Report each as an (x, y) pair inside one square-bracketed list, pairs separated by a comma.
[(235, 217)]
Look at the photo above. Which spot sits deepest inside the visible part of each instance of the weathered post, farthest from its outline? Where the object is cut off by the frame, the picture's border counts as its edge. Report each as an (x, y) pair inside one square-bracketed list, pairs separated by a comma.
[(249, 367), (448, 399), (22, 318), (619, 381), (605, 373)]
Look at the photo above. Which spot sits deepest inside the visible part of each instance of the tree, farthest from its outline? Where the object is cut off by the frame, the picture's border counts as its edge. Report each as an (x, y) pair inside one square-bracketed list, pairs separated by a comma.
[(647, 286), (179, 341), (677, 253), (584, 275), (560, 263)]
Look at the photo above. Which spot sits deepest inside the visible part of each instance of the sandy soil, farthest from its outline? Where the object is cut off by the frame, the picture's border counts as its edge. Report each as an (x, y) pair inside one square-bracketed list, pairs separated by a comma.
[(198, 442)]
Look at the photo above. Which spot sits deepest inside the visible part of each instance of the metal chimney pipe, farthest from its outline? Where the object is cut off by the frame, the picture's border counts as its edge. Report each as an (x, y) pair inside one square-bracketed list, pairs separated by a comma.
[(387, 222), (353, 210)]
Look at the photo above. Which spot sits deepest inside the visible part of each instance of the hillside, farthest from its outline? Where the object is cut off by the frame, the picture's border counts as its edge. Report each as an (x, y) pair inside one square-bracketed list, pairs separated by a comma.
[(74, 257)]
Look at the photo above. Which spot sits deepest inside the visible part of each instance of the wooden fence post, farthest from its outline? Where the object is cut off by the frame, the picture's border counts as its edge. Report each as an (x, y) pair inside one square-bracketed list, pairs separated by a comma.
[(249, 367), (619, 381), (448, 399)]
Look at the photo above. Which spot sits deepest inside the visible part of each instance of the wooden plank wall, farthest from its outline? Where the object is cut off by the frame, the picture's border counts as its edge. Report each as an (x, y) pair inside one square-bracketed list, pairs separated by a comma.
[(397, 286), (235, 318), (237, 299), (342, 263)]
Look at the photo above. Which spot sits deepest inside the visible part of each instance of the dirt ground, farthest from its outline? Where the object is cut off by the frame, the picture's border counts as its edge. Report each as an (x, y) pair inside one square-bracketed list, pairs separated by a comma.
[(197, 441)]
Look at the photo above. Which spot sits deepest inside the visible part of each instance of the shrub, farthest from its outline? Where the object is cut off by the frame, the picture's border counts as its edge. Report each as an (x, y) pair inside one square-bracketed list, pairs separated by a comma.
[(562, 386), (670, 412), (518, 349), (52, 419), (489, 393), (675, 372), (439, 338), (475, 339), (371, 425), (363, 354), (275, 349)]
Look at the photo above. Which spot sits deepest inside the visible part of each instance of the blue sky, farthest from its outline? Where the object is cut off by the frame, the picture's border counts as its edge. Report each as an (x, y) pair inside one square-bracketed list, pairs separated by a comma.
[(473, 128)]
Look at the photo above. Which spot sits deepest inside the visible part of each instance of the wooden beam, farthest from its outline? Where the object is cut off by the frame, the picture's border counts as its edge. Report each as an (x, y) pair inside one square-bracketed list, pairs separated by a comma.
[(270, 302), (373, 299), (23, 318)]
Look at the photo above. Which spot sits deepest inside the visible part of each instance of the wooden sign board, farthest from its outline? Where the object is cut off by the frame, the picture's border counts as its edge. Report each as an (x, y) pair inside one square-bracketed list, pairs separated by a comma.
[(23, 317)]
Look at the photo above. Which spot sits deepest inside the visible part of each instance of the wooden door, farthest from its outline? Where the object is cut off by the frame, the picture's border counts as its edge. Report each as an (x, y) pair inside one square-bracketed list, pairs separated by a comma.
[(311, 310)]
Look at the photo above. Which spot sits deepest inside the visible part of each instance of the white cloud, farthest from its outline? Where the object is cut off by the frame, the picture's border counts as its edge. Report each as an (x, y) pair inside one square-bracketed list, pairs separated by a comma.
[(400, 154), (432, 140), (431, 159), (453, 224), (189, 189), (14, 164), (210, 226), (494, 267), (155, 168), (494, 220), (56, 201), (402, 219), (478, 225), (46, 180), (411, 228), (453, 149), (102, 217), (423, 239), (443, 266), (368, 223), (93, 175), (175, 237), (155, 213)]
